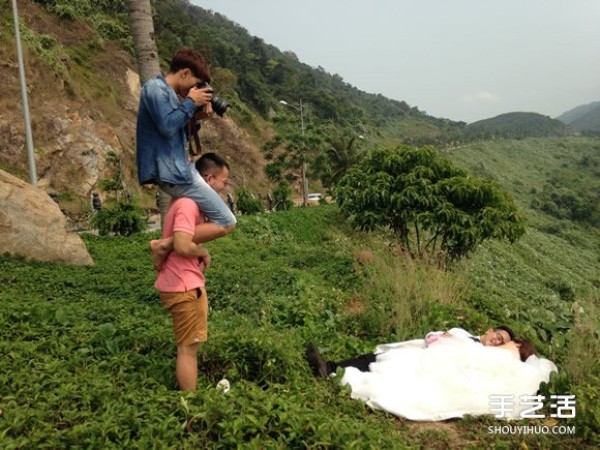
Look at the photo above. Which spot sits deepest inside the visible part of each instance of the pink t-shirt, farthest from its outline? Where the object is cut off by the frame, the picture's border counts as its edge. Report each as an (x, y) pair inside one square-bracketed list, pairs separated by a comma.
[(180, 273)]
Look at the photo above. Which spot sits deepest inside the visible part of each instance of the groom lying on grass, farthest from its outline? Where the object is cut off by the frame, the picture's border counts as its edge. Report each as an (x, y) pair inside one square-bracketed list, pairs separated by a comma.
[(492, 337), (452, 376)]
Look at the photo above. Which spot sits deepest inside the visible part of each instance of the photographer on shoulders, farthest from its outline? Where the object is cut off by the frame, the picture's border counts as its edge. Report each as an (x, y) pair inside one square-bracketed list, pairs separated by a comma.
[(167, 104)]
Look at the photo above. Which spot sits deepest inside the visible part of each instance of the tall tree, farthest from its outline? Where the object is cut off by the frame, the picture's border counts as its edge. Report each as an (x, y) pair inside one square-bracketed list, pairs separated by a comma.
[(428, 203), (141, 26)]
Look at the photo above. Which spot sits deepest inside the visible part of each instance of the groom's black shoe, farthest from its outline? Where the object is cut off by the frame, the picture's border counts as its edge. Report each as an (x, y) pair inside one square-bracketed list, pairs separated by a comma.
[(316, 363)]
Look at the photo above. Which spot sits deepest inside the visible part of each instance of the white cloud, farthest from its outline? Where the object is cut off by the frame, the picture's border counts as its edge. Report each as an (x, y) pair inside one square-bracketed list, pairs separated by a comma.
[(481, 97)]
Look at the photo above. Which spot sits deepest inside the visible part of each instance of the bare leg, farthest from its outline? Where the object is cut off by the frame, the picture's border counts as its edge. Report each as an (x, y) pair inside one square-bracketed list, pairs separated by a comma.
[(186, 369), (209, 231), (160, 249)]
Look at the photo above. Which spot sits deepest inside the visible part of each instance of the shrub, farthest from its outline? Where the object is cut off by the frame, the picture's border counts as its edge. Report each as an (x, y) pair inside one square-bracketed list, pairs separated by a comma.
[(122, 218), (281, 196), (562, 288), (430, 205), (247, 203)]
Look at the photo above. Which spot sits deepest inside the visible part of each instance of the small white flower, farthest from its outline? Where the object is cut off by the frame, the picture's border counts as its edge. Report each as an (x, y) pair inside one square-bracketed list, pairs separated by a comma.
[(224, 385)]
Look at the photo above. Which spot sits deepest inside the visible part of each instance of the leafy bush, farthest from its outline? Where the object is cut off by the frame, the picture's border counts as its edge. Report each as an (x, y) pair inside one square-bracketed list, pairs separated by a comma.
[(562, 288), (122, 218), (281, 196), (428, 203), (247, 203), (65, 11)]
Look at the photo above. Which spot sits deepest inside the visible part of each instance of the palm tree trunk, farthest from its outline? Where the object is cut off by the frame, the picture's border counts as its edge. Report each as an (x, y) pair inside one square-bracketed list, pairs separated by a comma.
[(141, 26)]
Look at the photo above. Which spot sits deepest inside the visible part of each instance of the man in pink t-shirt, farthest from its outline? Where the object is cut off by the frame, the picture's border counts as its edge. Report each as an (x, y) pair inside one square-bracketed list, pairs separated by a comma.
[(180, 280)]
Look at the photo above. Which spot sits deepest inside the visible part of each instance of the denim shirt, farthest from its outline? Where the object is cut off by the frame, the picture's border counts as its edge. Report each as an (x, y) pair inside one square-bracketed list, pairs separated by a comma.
[(161, 143)]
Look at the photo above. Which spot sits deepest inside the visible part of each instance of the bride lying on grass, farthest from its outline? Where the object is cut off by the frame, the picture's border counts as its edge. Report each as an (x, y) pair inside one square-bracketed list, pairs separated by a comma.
[(449, 378)]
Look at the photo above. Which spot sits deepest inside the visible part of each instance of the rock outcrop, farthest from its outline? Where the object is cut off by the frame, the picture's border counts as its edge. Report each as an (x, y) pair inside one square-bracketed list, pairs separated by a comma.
[(32, 225)]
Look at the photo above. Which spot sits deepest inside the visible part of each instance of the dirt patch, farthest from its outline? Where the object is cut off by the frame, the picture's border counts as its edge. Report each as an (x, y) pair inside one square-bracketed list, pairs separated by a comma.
[(436, 435), (355, 306), (365, 257)]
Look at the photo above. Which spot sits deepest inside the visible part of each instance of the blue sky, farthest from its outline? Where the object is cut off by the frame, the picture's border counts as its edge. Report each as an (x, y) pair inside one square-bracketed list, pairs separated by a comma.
[(460, 59)]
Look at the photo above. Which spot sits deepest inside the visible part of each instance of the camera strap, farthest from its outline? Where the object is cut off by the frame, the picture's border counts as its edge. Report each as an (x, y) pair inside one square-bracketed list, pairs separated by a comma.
[(193, 132)]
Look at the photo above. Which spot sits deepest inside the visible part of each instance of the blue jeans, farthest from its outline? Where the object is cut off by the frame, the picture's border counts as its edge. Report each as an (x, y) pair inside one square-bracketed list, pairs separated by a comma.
[(209, 202)]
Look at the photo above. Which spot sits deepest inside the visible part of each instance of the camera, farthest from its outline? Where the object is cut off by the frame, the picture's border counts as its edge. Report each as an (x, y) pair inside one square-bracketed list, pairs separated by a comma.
[(219, 105)]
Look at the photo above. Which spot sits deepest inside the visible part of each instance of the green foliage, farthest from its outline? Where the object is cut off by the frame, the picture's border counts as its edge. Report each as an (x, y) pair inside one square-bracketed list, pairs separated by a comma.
[(65, 11), (46, 48), (342, 154), (116, 182), (588, 409), (428, 203), (90, 352), (123, 218), (247, 203), (517, 125), (564, 203), (281, 196), (300, 140)]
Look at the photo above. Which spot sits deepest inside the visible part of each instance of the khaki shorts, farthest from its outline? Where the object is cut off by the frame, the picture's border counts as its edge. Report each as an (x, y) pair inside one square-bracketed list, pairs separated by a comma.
[(189, 311)]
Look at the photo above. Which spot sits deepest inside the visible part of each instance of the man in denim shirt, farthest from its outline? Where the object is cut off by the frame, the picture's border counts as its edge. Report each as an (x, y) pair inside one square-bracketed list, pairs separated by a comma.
[(162, 155)]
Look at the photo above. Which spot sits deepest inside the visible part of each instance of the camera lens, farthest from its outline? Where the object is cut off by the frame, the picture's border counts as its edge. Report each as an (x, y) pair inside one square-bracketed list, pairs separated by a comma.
[(220, 105)]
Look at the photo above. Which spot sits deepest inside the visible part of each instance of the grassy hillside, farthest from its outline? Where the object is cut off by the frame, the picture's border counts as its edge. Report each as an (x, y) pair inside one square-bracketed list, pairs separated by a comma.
[(517, 125), (588, 122), (90, 353), (583, 118), (534, 170)]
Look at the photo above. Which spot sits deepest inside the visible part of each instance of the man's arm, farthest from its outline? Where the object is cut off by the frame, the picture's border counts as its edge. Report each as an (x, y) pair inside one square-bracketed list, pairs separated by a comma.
[(183, 244), (168, 120)]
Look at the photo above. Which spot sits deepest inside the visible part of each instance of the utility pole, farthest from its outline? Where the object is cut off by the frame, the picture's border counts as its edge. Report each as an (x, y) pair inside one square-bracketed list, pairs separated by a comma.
[(303, 156), (26, 118)]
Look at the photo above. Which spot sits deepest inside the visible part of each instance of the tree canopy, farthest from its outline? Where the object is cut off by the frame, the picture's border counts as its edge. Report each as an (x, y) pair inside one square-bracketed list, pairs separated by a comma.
[(427, 202)]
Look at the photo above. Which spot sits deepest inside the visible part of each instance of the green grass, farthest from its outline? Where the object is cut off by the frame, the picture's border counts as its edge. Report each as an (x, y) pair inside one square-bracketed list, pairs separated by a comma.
[(525, 167), (555, 265), (88, 352)]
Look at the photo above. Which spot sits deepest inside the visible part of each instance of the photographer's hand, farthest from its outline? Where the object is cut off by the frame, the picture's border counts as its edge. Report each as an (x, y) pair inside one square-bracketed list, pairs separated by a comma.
[(202, 96), (204, 113)]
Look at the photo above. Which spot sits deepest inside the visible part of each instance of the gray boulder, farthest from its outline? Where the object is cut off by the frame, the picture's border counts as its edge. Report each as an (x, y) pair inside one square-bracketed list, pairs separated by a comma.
[(32, 225)]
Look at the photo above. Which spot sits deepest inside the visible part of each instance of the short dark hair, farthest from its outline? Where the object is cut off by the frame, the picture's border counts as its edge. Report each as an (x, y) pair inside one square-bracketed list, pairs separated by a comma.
[(188, 58), (209, 163), (510, 332)]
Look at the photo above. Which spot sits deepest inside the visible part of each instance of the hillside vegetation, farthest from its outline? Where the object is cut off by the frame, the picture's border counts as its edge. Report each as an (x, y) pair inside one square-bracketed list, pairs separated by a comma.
[(556, 262), (584, 118), (91, 355), (88, 352), (79, 59), (517, 125)]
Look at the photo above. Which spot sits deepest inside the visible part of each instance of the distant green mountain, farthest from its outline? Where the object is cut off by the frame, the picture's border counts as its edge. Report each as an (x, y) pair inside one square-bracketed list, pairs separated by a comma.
[(583, 118), (517, 125), (259, 75)]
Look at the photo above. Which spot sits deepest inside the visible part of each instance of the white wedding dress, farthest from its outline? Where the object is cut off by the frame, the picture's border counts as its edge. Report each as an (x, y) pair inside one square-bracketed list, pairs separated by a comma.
[(450, 378)]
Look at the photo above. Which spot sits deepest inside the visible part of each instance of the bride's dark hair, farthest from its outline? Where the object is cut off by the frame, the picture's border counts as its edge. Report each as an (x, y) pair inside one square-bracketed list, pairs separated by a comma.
[(526, 348)]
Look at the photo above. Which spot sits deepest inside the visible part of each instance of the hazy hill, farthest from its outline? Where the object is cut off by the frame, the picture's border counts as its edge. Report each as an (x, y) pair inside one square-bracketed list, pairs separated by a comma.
[(583, 118), (518, 125)]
